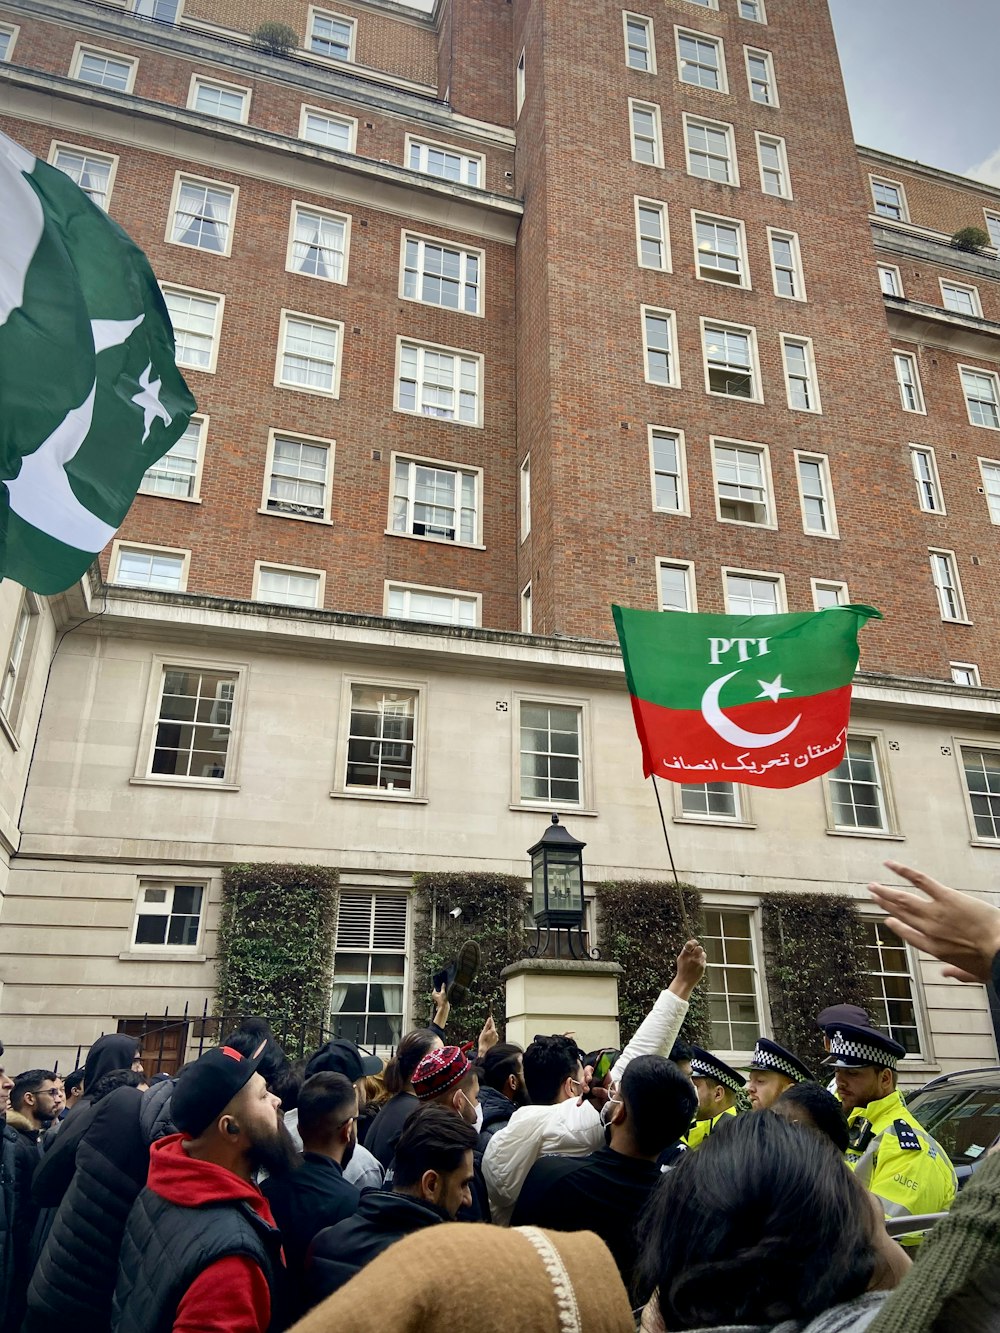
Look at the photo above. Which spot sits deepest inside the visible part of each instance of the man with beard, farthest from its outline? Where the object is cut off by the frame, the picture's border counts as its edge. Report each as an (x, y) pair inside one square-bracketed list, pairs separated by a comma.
[(201, 1250)]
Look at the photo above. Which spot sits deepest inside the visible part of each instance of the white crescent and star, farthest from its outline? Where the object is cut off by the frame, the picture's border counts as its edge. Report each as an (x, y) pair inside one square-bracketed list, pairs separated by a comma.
[(729, 731)]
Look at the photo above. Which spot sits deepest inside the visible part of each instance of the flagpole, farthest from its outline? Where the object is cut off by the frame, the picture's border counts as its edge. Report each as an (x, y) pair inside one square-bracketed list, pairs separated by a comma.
[(666, 838)]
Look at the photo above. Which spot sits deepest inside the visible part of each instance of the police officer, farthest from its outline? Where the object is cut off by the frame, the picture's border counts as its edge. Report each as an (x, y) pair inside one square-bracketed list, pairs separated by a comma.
[(890, 1151), (717, 1087), (773, 1070)]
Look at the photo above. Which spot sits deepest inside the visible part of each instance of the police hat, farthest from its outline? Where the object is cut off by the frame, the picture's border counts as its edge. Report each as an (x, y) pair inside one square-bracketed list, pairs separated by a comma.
[(706, 1065), (835, 1015), (855, 1047), (768, 1056)]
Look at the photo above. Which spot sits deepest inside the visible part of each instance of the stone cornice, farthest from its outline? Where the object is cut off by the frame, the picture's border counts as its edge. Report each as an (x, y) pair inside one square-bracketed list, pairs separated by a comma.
[(931, 326)]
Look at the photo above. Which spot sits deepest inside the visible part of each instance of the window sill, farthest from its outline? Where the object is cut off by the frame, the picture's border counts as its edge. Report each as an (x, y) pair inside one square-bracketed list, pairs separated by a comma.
[(985, 842), (201, 249), (394, 798), (547, 808), (297, 518), (202, 784), (713, 823), (160, 495), (162, 956), (823, 536), (433, 305), (879, 834), (955, 622), (437, 541), (333, 394), (443, 421), (8, 731), (746, 523)]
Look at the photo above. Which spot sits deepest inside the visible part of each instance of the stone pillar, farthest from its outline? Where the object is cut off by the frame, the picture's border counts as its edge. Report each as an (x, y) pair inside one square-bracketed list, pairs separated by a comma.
[(563, 995)]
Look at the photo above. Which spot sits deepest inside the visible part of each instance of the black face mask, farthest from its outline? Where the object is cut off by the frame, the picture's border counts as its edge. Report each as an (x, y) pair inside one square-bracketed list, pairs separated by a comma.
[(276, 1154)]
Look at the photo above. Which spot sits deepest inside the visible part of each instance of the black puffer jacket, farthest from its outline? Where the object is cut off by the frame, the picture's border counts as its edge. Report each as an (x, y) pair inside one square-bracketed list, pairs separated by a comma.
[(8, 1214), (340, 1251), (497, 1110)]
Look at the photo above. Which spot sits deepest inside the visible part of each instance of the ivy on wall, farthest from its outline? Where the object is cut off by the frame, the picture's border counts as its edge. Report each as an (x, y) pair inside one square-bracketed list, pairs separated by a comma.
[(814, 956), (275, 949), (641, 927), (493, 909)]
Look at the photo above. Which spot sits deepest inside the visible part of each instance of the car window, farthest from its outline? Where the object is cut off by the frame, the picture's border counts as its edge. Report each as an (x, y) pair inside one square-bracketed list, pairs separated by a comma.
[(964, 1123)]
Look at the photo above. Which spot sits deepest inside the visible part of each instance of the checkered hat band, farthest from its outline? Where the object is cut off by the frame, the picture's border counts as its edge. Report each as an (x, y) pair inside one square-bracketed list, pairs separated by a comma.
[(768, 1060), (702, 1069), (846, 1048)]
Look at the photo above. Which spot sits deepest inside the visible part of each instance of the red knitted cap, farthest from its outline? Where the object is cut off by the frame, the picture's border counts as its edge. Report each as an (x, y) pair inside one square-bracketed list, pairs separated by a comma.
[(438, 1071)]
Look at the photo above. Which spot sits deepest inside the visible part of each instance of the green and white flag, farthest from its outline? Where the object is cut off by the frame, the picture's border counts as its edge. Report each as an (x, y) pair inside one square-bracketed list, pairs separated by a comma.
[(90, 394)]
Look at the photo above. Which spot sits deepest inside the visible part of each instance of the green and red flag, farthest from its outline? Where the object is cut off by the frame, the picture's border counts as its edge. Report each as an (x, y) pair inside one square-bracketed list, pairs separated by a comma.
[(761, 700)]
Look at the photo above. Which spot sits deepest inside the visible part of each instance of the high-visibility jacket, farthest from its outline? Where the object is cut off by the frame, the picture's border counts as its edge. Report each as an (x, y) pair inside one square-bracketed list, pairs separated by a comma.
[(894, 1157), (701, 1129)]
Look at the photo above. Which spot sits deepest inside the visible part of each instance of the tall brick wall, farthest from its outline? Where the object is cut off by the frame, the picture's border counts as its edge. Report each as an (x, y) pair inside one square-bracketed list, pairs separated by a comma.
[(939, 202)]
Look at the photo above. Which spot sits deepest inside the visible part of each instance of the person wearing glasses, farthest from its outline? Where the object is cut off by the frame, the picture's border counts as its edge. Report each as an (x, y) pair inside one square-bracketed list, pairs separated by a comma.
[(35, 1100)]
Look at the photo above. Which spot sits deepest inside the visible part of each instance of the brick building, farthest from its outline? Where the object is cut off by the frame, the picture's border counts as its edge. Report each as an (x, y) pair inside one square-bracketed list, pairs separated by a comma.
[(497, 314)]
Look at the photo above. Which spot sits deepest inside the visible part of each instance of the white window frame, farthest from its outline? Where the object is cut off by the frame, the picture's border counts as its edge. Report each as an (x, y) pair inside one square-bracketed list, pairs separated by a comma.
[(920, 409), (896, 277), (741, 801), (705, 4), (443, 465), (182, 178), (727, 128), (969, 289), (643, 21), (462, 352), (520, 84), (686, 567), (971, 668), (683, 494), (466, 159), (332, 216), (13, 31), (775, 141), (992, 216), (199, 80), (836, 586), (86, 49), (760, 10), (737, 224), (307, 110), (524, 497), (329, 445), (886, 804), (219, 300), (798, 276), (167, 951), (823, 462), (659, 207), (755, 52), (525, 609), (757, 396), (922, 1055), (637, 104), (748, 446), (202, 422), (992, 463), (795, 339), (895, 185), (943, 553), (61, 145), (279, 383), (259, 566), (585, 805), (417, 793), (706, 37), (456, 594), (136, 7), (960, 745), (119, 546), (465, 253), (751, 909), (764, 575), (934, 479), (18, 655), (317, 11), (357, 1024), (987, 374), (160, 664), (673, 380)]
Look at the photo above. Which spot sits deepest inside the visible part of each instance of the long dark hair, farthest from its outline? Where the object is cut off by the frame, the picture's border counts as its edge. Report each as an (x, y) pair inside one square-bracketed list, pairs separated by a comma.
[(410, 1051), (763, 1223)]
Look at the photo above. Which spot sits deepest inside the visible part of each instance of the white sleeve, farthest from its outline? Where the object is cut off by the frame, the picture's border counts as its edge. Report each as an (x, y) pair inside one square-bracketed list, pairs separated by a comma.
[(565, 1128), (656, 1033)]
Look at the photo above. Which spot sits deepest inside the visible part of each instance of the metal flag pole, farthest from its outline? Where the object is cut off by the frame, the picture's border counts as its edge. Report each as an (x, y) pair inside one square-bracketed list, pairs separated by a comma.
[(685, 920)]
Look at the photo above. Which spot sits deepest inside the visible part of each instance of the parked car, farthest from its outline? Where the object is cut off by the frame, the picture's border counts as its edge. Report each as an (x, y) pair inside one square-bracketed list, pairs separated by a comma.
[(962, 1111)]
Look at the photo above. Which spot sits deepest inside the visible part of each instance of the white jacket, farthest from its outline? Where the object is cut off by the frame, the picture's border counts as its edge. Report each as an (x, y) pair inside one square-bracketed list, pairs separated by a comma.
[(568, 1128)]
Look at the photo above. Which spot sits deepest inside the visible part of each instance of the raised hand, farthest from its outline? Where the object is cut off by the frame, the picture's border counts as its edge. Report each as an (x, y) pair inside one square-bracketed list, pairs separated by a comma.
[(961, 930)]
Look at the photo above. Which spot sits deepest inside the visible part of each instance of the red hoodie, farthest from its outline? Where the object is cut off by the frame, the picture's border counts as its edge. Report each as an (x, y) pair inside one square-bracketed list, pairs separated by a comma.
[(231, 1295)]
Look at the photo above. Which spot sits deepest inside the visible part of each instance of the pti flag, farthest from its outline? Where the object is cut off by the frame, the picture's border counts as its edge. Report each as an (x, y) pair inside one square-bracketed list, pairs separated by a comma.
[(762, 700), (90, 395)]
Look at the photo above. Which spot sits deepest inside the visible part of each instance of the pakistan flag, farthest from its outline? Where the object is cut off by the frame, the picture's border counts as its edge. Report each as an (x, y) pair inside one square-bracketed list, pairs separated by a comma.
[(90, 395)]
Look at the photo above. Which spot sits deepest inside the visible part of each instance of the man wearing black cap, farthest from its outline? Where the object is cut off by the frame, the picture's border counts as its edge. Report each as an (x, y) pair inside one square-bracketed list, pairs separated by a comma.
[(773, 1070), (340, 1056), (201, 1250), (717, 1085)]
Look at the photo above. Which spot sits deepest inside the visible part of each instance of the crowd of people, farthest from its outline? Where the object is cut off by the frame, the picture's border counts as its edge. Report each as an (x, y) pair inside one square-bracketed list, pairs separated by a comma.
[(547, 1187)]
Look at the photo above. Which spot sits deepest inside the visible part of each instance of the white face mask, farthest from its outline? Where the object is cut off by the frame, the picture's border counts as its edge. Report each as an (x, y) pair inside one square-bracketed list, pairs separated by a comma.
[(479, 1117), (608, 1110)]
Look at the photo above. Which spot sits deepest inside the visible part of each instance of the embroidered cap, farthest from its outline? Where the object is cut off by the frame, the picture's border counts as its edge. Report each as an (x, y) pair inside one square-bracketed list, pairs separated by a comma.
[(438, 1071), (706, 1065), (769, 1056), (856, 1047)]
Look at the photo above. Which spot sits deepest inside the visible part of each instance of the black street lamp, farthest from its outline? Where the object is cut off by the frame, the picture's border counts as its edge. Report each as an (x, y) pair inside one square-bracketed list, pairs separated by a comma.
[(557, 889)]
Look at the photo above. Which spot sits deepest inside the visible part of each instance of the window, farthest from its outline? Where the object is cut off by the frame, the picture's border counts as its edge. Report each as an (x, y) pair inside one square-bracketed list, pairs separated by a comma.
[(961, 299), (438, 606), (297, 477), (828, 592), (982, 782), (710, 151), (964, 673), (990, 469), (786, 265), (525, 496), (944, 571), (981, 397), (202, 214), (18, 655), (439, 382), (168, 914), (760, 76), (706, 4), (889, 200), (731, 985), (925, 474), (890, 280), (667, 466), (675, 584), (156, 567), (369, 969), (720, 250), (640, 52), (318, 243), (647, 138), (8, 36), (800, 374), (908, 379), (526, 609), (331, 35), (443, 275), (855, 786), (164, 11), (659, 340), (992, 226), (519, 84), (308, 354), (178, 473), (889, 966), (773, 163), (193, 735), (752, 594), (93, 172), (710, 800), (196, 317), (228, 101), (752, 10), (652, 236), (288, 585), (731, 361), (742, 483), (105, 69), (329, 130), (819, 518), (451, 165), (434, 501), (700, 61), (381, 739), (551, 770)]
